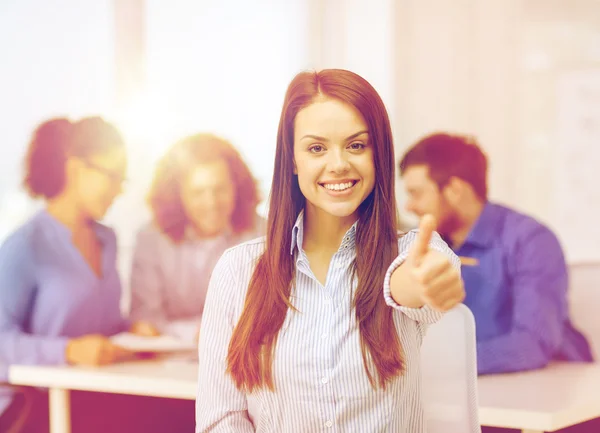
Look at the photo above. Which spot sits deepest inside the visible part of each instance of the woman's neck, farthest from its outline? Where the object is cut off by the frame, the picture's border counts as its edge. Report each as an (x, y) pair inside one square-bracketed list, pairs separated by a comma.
[(62, 208), (323, 231)]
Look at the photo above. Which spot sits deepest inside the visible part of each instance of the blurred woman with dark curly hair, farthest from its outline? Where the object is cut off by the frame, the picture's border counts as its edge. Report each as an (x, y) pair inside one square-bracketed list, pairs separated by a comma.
[(203, 200)]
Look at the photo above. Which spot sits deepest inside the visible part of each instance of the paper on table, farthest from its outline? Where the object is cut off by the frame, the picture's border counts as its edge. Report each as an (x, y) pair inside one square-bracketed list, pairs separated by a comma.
[(183, 329), (163, 343)]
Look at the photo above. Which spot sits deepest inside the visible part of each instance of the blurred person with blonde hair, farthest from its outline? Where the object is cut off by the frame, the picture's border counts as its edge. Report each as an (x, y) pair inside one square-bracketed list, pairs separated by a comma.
[(59, 287), (203, 200)]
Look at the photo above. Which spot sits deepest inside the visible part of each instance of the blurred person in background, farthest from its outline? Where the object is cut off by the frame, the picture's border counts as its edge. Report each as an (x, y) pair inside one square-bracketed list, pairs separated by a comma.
[(59, 287), (513, 266), (203, 199)]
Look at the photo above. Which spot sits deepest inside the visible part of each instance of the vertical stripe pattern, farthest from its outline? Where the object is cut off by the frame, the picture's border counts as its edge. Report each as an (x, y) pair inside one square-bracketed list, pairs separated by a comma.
[(321, 384)]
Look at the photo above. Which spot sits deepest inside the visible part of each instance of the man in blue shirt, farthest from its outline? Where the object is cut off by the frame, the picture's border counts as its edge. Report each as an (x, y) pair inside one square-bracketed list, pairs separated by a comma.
[(514, 269)]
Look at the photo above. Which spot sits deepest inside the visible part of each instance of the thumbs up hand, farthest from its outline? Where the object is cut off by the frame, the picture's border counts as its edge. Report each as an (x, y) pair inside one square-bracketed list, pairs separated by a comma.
[(437, 283)]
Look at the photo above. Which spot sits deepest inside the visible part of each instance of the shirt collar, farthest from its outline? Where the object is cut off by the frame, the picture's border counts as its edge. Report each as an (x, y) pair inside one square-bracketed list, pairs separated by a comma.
[(62, 230), (482, 233), (297, 232), (348, 242)]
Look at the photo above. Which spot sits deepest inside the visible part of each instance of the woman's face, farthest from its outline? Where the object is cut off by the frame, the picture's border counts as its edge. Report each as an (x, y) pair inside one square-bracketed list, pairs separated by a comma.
[(333, 158), (208, 195), (98, 180)]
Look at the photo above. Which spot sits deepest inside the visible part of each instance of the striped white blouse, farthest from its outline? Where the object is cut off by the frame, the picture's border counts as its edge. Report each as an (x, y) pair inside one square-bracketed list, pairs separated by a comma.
[(320, 381)]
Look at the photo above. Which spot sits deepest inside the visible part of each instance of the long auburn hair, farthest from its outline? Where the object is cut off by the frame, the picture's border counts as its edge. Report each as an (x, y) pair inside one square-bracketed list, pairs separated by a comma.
[(252, 344), (164, 197)]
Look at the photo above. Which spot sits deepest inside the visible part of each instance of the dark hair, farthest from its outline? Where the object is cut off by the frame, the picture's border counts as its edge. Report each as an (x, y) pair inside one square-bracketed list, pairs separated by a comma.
[(165, 199), (446, 156), (253, 341), (54, 141)]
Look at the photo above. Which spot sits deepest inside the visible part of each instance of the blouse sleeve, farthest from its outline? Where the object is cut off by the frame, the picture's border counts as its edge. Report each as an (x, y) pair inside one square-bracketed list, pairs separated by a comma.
[(220, 406)]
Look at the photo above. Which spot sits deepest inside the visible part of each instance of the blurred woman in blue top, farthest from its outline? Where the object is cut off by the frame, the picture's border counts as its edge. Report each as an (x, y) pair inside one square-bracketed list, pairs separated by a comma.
[(59, 286)]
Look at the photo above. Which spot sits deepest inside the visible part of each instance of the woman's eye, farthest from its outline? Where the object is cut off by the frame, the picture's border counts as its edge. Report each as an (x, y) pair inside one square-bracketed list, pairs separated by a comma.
[(317, 148), (357, 146)]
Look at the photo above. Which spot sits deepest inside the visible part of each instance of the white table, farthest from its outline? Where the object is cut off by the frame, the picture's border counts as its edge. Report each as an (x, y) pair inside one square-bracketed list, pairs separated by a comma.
[(545, 400), (155, 378), (562, 395)]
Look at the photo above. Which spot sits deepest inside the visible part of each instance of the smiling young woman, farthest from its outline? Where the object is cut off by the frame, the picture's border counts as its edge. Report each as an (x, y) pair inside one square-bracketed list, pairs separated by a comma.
[(320, 322)]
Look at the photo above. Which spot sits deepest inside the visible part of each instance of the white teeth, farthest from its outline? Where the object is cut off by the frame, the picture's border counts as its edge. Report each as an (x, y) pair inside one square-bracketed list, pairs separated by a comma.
[(338, 186)]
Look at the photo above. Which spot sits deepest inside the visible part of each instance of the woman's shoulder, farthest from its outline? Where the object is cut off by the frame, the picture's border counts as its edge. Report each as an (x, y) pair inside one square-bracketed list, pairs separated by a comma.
[(405, 239), (26, 239), (34, 225), (245, 254), (233, 272), (21, 237)]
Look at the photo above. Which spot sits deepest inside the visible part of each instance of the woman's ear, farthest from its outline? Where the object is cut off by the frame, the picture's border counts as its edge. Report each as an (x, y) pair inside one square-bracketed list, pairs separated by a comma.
[(295, 168)]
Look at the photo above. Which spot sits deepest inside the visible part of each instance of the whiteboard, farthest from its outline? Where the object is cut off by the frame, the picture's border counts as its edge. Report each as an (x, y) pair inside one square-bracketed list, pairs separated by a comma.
[(578, 163)]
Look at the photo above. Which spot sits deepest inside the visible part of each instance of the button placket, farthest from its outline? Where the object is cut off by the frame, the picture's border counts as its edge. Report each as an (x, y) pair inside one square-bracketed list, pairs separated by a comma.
[(324, 341)]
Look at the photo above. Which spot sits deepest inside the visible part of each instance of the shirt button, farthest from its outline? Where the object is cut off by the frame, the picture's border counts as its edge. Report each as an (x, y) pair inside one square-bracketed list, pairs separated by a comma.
[(323, 336), (328, 424), (338, 265), (327, 301), (324, 380)]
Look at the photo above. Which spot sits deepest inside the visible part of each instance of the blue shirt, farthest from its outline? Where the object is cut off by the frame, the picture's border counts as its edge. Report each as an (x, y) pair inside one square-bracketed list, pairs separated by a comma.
[(48, 294), (518, 294)]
